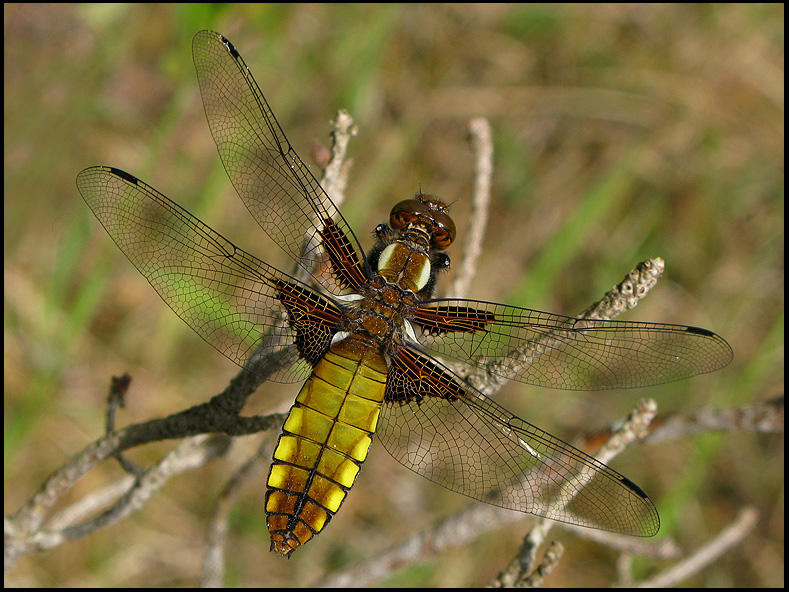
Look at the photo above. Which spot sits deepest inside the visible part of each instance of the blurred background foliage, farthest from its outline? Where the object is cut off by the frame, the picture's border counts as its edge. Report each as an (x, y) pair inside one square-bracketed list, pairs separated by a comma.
[(621, 132)]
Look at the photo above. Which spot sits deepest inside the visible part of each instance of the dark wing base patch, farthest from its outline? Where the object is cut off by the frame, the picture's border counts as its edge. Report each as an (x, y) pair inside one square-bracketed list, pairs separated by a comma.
[(314, 319), (413, 376), (437, 320), (344, 261)]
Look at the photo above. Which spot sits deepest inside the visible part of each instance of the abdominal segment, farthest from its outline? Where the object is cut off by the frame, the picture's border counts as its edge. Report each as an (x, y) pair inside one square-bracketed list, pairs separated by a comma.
[(324, 442)]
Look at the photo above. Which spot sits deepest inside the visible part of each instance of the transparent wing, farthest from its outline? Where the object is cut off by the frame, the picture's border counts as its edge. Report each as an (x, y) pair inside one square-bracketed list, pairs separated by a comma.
[(277, 188), (558, 351), (450, 433), (236, 302)]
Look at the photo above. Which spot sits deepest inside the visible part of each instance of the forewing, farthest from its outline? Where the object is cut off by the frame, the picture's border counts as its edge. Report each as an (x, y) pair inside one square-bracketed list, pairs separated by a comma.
[(455, 436), (277, 188), (557, 351), (234, 301)]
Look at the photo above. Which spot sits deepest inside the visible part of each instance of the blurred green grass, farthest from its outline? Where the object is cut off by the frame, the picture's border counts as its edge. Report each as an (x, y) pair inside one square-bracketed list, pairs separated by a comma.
[(621, 133)]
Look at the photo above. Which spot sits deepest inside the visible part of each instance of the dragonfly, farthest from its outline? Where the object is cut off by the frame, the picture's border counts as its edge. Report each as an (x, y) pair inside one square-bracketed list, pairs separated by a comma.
[(368, 341)]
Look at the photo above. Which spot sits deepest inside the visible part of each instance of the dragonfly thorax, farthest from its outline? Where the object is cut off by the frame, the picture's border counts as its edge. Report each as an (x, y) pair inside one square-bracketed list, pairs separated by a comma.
[(405, 263)]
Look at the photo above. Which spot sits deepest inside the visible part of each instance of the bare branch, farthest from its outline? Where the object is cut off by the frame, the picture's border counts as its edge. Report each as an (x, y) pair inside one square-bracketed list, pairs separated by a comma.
[(90, 503), (764, 416), (335, 174), (191, 453), (467, 525), (659, 549), (216, 537), (119, 386), (729, 537), (22, 539), (549, 561), (482, 149), (518, 573), (624, 570), (629, 292)]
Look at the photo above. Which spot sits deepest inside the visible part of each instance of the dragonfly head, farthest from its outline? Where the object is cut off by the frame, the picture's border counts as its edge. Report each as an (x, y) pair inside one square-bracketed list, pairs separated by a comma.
[(428, 212)]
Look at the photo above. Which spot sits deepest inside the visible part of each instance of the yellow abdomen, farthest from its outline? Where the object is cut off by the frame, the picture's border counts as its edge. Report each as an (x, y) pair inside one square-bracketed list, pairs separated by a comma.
[(324, 442)]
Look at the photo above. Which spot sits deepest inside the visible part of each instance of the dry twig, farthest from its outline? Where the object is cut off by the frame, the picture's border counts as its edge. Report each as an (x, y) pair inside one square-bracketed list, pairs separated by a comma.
[(729, 537), (482, 149)]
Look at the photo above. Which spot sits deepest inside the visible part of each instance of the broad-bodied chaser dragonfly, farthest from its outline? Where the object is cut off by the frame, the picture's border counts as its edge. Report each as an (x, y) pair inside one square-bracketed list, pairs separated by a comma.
[(366, 341)]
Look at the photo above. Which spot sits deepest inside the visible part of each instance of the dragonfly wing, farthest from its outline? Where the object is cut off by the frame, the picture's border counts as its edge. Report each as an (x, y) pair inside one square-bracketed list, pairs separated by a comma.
[(558, 351), (234, 301), (277, 188), (450, 433)]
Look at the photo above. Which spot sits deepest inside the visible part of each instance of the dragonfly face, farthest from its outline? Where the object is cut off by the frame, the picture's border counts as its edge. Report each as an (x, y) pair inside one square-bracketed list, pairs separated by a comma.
[(367, 334)]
